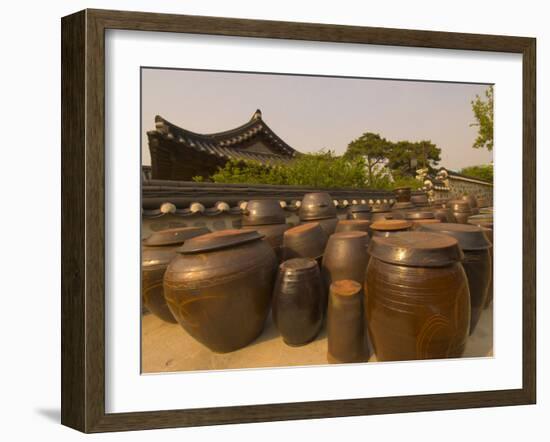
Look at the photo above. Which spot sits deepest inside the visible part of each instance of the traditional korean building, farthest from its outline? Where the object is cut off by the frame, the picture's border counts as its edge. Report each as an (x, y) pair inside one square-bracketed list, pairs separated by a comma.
[(179, 154)]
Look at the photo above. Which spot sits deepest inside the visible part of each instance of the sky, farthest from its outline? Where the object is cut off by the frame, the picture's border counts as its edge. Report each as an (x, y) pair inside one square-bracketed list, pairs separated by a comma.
[(311, 113)]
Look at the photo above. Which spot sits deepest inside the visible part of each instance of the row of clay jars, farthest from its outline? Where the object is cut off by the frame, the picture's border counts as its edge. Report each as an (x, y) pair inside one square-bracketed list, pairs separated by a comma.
[(476, 263), (219, 287), (416, 297), (157, 251), (319, 207)]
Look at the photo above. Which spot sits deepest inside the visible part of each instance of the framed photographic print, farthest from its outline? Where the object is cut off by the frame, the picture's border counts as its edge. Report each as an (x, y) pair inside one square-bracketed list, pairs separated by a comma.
[(270, 220)]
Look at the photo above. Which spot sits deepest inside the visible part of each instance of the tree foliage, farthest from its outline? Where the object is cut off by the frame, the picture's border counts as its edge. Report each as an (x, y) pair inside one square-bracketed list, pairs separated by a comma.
[(322, 169), (373, 148), (483, 171), (483, 113)]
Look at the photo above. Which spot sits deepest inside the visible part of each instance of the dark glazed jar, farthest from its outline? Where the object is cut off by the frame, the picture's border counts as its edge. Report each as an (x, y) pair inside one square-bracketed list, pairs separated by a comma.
[(273, 234), (399, 210), (461, 210), (298, 300), (157, 251), (359, 211), (328, 225), (345, 327), (476, 263), (389, 227), (348, 225), (219, 288), (402, 194), (304, 241), (445, 215), (264, 211), (416, 297), (317, 205), (381, 212), (420, 200), (345, 257), (472, 201)]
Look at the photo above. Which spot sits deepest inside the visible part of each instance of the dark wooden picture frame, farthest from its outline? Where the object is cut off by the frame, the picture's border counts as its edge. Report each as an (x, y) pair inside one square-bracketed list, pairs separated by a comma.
[(83, 220)]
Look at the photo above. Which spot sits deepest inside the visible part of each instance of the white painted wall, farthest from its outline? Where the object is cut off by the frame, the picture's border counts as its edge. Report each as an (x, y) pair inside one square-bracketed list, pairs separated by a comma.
[(30, 97)]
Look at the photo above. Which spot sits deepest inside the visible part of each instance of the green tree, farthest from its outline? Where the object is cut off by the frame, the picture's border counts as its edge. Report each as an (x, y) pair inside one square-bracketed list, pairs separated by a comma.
[(373, 148), (322, 169), (483, 171), (483, 113), (402, 154)]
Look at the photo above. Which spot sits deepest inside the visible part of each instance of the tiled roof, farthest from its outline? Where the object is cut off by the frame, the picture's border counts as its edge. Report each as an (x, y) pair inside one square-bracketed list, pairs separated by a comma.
[(230, 144), (160, 197)]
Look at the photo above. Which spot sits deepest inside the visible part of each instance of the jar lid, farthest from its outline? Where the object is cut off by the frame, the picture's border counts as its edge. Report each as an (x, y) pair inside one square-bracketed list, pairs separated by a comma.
[(419, 214), (297, 265), (219, 240), (174, 236), (391, 224), (416, 249), (469, 237)]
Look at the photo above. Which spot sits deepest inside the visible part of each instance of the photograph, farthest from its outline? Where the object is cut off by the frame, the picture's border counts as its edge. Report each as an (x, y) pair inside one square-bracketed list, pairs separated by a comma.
[(292, 220)]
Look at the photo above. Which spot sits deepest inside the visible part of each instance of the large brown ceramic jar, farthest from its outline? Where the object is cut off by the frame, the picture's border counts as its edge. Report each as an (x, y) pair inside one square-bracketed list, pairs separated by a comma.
[(157, 251), (273, 234), (345, 326), (419, 217), (461, 210), (381, 212), (348, 225), (219, 288), (402, 194), (400, 209), (304, 241), (345, 257), (317, 205), (262, 212), (476, 263), (445, 215), (416, 297), (472, 201), (420, 200), (359, 211), (298, 300), (328, 225), (485, 221), (482, 202)]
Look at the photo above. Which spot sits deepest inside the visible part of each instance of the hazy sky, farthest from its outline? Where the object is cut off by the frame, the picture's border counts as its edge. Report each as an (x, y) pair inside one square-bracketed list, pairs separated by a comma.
[(311, 113)]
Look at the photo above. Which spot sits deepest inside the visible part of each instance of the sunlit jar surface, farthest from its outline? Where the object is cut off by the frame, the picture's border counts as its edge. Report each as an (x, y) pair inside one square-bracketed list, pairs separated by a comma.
[(157, 251), (477, 262), (219, 288), (417, 302)]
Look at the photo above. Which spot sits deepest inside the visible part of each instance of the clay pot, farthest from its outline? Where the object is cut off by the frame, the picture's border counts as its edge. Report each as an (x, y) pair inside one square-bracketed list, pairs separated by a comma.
[(345, 327), (419, 217), (389, 227), (298, 300), (482, 202), (461, 210), (219, 288), (304, 241), (476, 263), (157, 251), (318, 205), (485, 221), (264, 211), (400, 210), (420, 200), (349, 225), (273, 234), (402, 194), (472, 201), (381, 212), (345, 257), (445, 215), (328, 225), (359, 211), (416, 297)]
